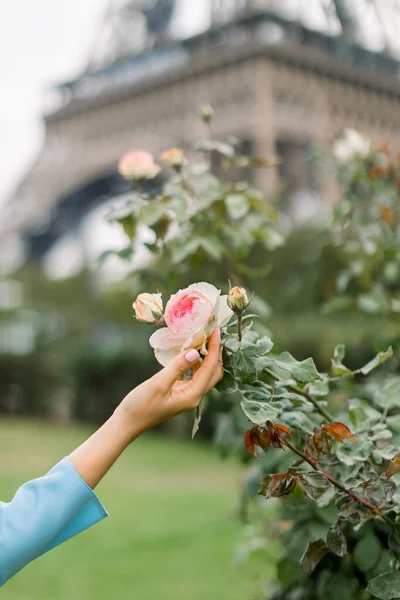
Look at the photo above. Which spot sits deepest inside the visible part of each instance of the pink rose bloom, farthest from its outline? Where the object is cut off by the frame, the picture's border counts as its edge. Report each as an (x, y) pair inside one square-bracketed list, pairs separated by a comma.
[(191, 316), (138, 164)]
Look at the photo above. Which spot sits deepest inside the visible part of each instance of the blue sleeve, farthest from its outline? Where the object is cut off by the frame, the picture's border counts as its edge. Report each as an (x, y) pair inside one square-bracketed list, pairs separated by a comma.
[(44, 513)]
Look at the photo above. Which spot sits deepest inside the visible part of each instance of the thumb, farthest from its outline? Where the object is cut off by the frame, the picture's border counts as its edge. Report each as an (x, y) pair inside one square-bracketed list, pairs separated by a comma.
[(179, 365)]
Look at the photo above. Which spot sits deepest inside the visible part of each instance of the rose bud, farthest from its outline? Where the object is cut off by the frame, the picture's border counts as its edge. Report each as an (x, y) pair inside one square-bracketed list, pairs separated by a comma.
[(206, 113), (174, 158), (137, 165), (148, 308), (237, 299)]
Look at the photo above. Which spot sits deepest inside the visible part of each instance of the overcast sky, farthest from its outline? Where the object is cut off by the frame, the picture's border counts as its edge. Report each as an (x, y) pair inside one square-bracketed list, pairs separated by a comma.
[(41, 41)]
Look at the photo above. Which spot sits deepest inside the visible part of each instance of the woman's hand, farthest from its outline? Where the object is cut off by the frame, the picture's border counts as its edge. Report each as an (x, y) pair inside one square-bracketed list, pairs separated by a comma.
[(166, 394), (157, 399)]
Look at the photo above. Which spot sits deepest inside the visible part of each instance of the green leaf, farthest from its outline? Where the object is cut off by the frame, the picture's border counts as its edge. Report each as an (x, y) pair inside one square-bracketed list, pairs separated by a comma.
[(377, 360), (315, 552), (362, 415), (387, 453), (126, 253), (204, 145), (393, 423), (336, 541), (129, 224), (244, 367), (314, 485), (259, 412), (182, 250), (212, 246), (367, 552), (237, 205), (319, 389), (107, 254), (386, 586), (228, 384), (261, 347), (351, 454), (152, 212), (374, 302), (298, 419), (394, 541), (304, 372), (338, 368), (388, 395), (269, 237), (381, 492)]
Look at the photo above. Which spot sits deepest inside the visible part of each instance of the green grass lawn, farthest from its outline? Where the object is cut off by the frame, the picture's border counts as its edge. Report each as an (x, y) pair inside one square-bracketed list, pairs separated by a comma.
[(172, 529)]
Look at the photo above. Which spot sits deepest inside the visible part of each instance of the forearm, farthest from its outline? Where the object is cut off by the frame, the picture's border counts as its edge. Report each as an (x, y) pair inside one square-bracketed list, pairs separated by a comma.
[(98, 453)]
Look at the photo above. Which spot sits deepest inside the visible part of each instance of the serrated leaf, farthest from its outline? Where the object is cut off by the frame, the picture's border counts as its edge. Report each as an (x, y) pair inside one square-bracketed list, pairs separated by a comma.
[(315, 552), (228, 384), (386, 453), (386, 586), (379, 359), (244, 367), (303, 372), (275, 486), (393, 423), (351, 454), (298, 419), (380, 492), (362, 415), (388, 395), (319, 389), (338, 368), (237, 205), (336, 541), (261, 347), (314, 485), (259, 412)]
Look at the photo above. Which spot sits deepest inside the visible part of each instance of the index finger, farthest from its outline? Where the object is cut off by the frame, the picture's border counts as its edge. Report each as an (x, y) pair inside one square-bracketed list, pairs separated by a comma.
[(201, 379)]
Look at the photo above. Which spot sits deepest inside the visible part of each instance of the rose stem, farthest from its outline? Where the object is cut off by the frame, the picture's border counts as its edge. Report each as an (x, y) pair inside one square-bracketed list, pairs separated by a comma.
[(239, 329)]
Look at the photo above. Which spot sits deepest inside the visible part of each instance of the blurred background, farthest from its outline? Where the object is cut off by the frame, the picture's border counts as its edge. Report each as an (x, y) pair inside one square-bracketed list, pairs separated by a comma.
[(83, 82)]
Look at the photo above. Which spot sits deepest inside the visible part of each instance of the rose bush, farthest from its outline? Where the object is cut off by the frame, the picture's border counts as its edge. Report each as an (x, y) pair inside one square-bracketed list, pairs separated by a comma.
[(327, 441)]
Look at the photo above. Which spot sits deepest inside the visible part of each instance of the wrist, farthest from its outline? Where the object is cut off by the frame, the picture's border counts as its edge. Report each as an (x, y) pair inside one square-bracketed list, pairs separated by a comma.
[(127, 424)]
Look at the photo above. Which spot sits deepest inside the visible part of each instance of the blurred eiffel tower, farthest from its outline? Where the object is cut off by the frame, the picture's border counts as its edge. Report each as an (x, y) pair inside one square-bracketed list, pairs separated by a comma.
[(279, 73)]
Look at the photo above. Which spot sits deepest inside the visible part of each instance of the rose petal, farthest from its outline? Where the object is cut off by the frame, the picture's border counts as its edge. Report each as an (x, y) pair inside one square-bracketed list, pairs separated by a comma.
[(197, 340), (164, 357), (207, 289), (165, 339)]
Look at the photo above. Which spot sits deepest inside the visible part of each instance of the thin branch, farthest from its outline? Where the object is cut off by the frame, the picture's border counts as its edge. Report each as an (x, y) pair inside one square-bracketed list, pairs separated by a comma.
[(337, 484), (304, 393)]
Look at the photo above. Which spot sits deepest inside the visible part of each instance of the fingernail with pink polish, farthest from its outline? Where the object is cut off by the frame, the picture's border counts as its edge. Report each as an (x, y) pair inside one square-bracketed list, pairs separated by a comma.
[(192, 356)]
